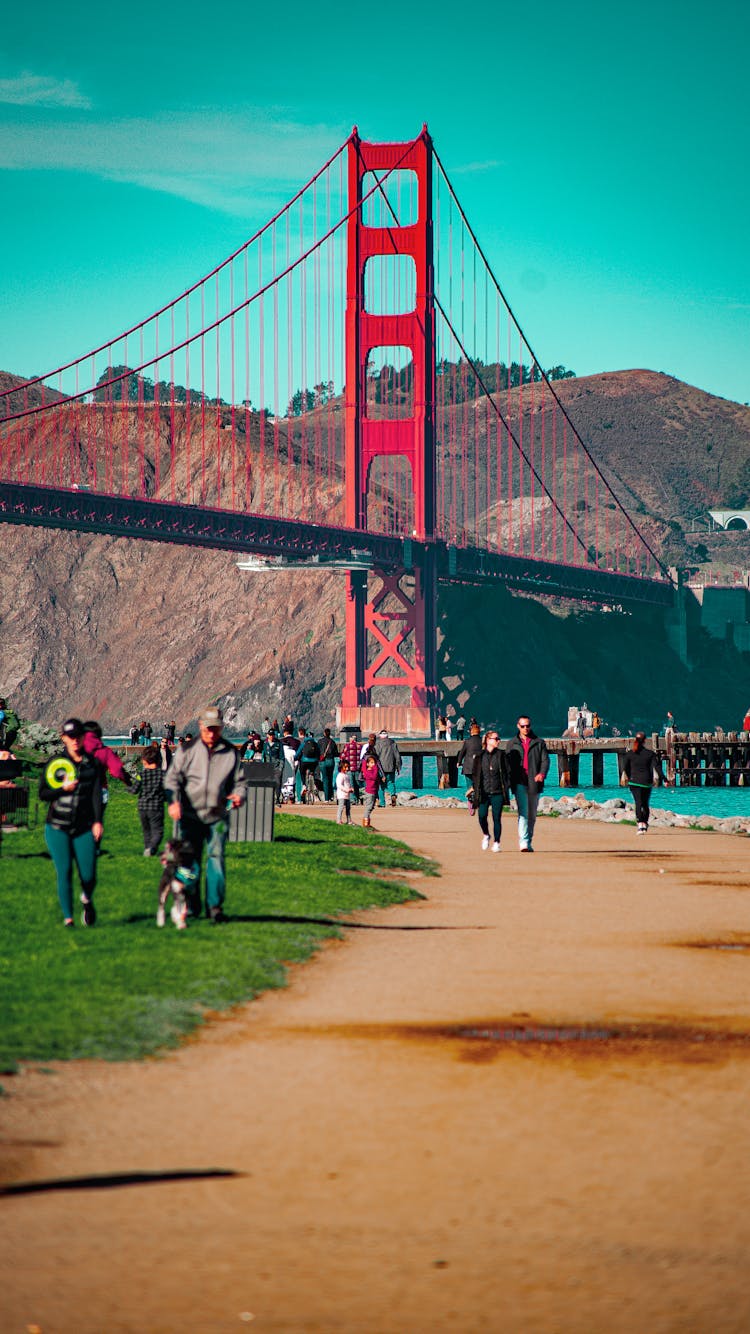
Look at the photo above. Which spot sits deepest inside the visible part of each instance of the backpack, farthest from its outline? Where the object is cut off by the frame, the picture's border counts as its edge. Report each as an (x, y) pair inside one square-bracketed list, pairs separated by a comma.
[(310, 749)]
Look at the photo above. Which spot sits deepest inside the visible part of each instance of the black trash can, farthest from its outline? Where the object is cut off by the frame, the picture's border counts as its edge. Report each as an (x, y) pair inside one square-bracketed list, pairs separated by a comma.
[(253, 822)]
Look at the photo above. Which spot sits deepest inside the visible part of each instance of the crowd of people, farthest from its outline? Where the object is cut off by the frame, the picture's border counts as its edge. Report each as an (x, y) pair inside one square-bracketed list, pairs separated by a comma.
[(202, 778)]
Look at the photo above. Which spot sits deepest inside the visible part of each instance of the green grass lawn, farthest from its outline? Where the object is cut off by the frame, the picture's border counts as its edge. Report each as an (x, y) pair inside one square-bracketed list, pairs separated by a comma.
[(124, 988)]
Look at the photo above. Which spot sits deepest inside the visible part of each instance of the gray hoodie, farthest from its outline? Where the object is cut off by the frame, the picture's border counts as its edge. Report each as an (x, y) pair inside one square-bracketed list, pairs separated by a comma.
[(203, 780)]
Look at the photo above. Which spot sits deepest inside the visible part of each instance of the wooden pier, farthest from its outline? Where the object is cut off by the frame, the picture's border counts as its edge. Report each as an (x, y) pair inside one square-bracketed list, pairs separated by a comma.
[(689, 759)]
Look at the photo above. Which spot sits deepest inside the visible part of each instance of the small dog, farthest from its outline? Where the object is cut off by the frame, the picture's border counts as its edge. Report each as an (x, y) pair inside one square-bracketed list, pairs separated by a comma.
[(180, 879)]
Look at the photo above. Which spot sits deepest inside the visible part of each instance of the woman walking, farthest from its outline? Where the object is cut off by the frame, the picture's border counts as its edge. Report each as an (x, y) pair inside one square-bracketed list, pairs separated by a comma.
[(72, 785), (490, 782), (642, 769)]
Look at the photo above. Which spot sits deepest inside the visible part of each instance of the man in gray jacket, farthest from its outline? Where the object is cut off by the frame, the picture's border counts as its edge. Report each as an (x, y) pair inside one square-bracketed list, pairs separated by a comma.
[(389, 756), (204, 781)]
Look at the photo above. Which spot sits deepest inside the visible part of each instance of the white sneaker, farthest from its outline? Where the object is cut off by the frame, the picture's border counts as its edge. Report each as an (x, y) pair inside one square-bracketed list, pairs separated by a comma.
[(641, 829), (485, 842), (495, 847)]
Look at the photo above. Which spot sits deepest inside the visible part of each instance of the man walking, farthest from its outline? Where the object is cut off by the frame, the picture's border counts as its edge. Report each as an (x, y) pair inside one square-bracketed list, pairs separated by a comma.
[(528, 762), (389, 756), (204, 780), (329, 753)]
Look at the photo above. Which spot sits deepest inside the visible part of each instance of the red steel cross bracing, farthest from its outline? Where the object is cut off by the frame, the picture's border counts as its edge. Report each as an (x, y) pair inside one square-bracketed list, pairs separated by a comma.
[(390, 636)]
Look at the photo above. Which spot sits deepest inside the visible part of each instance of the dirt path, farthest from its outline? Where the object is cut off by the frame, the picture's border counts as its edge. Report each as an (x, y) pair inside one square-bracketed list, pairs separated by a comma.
[(413, 1157)]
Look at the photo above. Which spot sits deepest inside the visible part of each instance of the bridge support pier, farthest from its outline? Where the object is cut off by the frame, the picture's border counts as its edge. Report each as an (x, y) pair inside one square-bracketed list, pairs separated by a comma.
[(597, 768)]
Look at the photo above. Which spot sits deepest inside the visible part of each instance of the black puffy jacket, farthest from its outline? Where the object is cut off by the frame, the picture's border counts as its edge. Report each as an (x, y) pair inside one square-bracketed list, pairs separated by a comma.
[(75, 811)]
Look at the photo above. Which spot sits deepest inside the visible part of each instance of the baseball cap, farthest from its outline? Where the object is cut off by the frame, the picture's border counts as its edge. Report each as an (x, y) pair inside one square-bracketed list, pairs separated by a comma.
[(211, 717), (73, 727), (383, 732)]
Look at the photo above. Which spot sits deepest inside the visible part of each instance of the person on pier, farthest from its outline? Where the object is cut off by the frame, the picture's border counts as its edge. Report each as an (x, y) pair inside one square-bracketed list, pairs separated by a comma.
[(528, 760)]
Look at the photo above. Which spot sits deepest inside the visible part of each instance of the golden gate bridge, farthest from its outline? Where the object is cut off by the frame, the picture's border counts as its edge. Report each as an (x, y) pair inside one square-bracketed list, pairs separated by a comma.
[(349, 388)]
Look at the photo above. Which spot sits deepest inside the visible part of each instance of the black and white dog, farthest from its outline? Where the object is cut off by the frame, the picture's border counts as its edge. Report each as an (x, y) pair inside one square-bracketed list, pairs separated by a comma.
[(180, 879)]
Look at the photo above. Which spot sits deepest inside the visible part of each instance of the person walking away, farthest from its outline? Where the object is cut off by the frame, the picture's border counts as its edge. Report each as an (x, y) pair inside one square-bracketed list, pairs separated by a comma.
[(350, 752), (344, 794), (490, 784), (308, 755), (329, 753), (170, 732), (151, 800), (390, 760), (442, 724), (642, 770), (371, 780), (460, 727), (74, 819), (204, 780), (528, 763), (470, 748)]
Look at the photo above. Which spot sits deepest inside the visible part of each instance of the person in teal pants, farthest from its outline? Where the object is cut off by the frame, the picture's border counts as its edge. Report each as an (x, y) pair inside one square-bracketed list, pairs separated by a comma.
[(71, 782)]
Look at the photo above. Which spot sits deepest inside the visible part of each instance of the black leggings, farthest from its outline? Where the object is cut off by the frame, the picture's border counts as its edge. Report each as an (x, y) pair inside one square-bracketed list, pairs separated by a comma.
[(641, 797), (496, 802)]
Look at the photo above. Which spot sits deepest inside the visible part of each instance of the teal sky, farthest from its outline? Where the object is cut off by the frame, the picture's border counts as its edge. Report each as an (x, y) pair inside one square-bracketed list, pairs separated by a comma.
[(601, 156)]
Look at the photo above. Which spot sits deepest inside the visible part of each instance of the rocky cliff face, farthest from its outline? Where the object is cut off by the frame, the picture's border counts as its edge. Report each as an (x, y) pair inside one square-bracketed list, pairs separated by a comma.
[(123, 630)]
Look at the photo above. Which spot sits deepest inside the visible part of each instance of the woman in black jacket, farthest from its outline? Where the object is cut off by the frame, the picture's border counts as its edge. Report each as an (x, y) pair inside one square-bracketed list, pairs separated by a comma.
[(490, 782), (642, 768), (72, 784)]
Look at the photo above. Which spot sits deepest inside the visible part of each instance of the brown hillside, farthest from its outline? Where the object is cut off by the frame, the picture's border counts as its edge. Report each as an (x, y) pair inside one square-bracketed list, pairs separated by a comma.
[(125, 630)]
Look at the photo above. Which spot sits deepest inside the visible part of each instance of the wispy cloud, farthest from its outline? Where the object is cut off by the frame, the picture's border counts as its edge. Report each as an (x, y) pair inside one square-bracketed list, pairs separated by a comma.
[(40, 90), (219, 160), (471, 167)]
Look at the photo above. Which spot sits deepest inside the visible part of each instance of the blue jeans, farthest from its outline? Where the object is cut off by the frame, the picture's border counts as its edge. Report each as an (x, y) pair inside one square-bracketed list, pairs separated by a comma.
[(527, 802), (214, 836), (64, 849)]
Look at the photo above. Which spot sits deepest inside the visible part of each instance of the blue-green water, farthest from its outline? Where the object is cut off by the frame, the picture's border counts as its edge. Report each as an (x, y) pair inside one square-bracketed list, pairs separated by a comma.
[(719, 801)]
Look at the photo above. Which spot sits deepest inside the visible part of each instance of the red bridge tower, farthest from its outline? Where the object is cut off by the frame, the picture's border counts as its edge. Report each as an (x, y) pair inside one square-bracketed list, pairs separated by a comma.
[(390, 618)]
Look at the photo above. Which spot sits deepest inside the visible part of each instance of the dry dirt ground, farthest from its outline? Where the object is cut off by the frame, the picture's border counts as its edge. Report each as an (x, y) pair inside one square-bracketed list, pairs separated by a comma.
[(416, 1149)]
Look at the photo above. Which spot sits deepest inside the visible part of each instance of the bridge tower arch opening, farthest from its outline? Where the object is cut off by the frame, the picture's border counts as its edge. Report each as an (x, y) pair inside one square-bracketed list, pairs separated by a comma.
[(390, 433)]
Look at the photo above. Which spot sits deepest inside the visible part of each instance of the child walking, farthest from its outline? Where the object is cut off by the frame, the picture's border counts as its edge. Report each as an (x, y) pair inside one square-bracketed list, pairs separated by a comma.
[(151, 801), (371, 777), (344, 789)]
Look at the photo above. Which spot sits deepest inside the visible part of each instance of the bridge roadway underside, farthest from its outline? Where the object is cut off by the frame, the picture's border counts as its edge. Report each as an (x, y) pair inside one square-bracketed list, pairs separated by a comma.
[(226, 530)]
